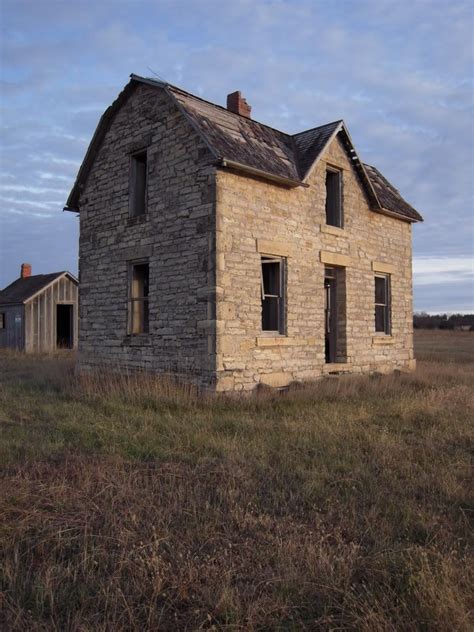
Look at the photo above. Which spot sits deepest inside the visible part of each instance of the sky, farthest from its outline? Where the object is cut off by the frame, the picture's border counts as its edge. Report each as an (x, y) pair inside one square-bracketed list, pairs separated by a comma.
[(400, 74)]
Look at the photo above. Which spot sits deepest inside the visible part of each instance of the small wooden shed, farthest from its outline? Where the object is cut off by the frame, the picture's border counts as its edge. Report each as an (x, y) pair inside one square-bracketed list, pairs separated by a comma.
[(39, 312)]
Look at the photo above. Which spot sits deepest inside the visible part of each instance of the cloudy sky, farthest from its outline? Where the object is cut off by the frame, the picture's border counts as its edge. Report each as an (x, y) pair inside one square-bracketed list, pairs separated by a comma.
[(399, 73)]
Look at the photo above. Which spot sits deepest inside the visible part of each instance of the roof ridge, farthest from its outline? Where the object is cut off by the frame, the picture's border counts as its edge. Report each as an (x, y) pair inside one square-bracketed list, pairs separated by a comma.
[(216, 105), (166, 84), (312, 129), (221, 107)]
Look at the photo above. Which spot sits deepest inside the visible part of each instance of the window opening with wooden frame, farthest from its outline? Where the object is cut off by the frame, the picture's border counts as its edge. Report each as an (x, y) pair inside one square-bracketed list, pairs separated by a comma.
[(382, 304), (273, 294), (335, 315), (329, 314), (334, 211), (138, 314), (2, 320), (138, 183)]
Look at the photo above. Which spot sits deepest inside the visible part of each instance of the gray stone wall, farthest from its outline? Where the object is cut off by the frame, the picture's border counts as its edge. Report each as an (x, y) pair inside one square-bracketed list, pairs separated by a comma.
[(255, 218), (176, 236)]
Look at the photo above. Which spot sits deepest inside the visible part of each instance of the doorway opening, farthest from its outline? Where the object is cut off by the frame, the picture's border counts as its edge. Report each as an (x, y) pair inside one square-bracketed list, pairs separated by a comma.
[(64, 326), (335, 346)]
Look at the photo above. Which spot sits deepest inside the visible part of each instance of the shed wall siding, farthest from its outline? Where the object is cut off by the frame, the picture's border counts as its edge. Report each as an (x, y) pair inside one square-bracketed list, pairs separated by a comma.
[(176, 237), (251, 212), (12, 336)]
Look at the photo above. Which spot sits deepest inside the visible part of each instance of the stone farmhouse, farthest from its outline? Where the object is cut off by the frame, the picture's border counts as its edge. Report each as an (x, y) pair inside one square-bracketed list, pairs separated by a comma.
[(230, 254)]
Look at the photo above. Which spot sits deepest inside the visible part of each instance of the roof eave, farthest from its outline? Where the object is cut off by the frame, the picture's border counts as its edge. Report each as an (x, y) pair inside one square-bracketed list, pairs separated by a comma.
[(259, 173), (405, 218)]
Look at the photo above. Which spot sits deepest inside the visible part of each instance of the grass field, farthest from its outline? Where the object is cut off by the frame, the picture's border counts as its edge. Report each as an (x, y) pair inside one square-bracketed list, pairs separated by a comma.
[(133, 505)]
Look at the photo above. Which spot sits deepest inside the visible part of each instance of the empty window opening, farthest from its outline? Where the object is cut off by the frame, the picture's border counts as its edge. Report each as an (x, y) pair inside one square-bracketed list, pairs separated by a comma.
[(138, 299), (64, 326), (382, 304), (335, 315), (273, 295), (334, 198), (2, 320), (138, 184)]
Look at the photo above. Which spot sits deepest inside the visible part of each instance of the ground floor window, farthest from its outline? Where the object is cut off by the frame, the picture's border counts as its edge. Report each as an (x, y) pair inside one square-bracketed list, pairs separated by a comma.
[(273, 294), (335, 315), (2, 320), (138, 319), (382, 304)]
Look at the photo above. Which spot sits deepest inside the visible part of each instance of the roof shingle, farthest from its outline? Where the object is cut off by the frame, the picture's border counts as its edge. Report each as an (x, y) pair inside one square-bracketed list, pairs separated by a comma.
[(389, 197), (24, 288)]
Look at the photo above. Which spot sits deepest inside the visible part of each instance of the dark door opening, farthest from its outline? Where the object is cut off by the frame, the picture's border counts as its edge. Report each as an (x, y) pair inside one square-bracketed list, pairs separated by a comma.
[(330, 303), (64, 327)]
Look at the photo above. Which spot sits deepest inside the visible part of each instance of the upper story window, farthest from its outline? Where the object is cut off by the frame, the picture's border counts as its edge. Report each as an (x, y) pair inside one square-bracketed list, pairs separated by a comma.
[(334, 211), (138, 183), (2, 320), (138, 320), (273, 294), (383, 304)]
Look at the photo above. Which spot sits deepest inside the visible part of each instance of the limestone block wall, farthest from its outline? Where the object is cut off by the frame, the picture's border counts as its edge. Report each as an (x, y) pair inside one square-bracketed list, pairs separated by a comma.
[(255, 217), (176, 237)]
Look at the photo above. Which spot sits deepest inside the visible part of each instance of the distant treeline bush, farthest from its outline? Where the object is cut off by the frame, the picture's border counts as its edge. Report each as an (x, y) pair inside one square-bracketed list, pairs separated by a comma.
[(421, 320)]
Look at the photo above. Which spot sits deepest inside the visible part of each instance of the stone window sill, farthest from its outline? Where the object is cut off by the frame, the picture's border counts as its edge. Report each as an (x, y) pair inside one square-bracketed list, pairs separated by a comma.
[(273, 341), (332, 230), (337, 367), (138, 340), (382, 340), (138, 219), (283, 341)]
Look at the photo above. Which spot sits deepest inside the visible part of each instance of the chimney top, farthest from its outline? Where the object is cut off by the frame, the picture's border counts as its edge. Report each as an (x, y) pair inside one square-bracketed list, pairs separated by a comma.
[(237, 104), (25, 270)]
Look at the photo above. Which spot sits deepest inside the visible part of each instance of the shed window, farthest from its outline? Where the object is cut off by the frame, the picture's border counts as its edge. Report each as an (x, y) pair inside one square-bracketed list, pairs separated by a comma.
[(2, 320), (138, 299), (138, 184), (382, 304), (273, 294), (334, 215)]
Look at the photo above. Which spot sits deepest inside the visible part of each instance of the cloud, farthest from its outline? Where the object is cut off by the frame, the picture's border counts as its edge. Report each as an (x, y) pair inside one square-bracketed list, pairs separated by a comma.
[(400, 74), (444, 284), (436, 271)]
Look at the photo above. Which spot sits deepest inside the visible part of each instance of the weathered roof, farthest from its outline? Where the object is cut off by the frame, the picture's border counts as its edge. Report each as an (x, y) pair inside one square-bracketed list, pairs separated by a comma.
[(24, 288), (242, 143), (389, 197), (240, 139)]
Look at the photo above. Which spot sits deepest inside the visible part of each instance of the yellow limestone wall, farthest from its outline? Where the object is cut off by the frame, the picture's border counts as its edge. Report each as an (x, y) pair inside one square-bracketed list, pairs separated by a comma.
[(255, 217)]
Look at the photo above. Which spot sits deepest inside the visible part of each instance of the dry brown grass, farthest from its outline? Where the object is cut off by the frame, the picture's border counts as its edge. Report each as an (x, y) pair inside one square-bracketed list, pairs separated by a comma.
[(132, 504)]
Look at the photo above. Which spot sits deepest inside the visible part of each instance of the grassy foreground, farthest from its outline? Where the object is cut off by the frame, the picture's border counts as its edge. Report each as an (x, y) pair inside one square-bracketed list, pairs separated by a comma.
[(132, 505)]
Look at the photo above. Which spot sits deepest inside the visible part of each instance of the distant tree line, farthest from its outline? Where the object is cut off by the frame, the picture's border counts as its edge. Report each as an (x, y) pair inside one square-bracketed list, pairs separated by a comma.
[(422, 320)]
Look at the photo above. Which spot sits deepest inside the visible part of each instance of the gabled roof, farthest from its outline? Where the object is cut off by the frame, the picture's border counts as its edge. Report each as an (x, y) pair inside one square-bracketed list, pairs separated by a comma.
[(23, 289), (311, 143), (241, 143)]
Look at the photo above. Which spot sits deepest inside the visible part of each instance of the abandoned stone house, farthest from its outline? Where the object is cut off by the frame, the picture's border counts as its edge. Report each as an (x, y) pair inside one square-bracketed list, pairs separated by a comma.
[(230, 254)]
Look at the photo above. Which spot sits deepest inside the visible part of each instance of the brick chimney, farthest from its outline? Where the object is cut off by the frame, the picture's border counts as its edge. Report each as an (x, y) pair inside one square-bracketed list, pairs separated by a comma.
[(237, 104), (25, 270)]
